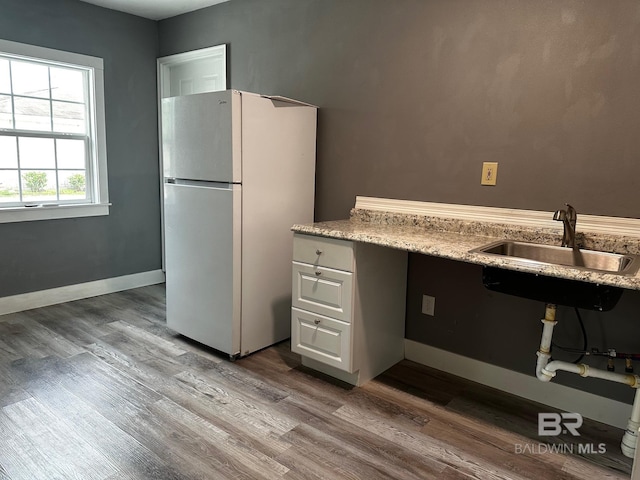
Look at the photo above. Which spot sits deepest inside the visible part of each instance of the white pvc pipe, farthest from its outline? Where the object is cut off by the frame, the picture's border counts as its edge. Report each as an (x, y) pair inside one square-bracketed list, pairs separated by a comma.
[(546, 370), (583, 370), (549, 369), (630, 437), (635, 411), (541, 373), (544, 353), (547, 333)]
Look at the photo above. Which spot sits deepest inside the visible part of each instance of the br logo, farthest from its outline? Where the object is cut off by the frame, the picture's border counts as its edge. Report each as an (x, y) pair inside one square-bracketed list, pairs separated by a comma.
[(553, 424)]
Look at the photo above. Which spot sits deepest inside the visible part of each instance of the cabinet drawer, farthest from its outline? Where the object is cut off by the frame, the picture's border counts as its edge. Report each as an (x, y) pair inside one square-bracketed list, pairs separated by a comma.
[(323, 339), (322, 290), (325, 252)]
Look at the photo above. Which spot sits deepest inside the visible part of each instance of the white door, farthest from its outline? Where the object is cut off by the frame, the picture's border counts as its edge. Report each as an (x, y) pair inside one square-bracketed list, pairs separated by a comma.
[(197, 71), (204, 75)]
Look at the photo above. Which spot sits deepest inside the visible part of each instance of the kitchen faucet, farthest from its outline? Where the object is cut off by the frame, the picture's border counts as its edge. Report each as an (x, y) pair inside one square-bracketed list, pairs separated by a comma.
[(568, 218)]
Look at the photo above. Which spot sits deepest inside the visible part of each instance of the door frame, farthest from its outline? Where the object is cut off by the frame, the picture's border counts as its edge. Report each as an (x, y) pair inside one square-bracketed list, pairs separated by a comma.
[(164, 65)]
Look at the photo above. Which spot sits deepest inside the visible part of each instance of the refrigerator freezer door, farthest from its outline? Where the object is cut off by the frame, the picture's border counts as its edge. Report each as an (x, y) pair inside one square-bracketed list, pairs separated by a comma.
[(201, 137), (203, 263)]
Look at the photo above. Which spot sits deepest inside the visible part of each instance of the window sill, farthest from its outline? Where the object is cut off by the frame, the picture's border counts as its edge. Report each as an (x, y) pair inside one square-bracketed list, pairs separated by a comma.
[(30, 214)]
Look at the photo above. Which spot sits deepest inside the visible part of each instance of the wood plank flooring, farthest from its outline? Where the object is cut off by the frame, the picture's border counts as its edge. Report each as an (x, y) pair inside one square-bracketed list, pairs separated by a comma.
[(101, 389)]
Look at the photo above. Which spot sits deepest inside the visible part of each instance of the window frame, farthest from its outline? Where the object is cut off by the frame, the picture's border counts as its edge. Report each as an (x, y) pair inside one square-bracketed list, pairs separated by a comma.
[(99, 204)]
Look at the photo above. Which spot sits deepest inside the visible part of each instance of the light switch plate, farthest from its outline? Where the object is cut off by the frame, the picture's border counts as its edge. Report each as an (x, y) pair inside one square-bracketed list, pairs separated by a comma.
[(429, 305), (489, 173)]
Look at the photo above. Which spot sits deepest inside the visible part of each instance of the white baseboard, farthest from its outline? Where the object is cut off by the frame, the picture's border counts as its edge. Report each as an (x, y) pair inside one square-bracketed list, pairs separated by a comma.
[(69, 293), (605, 410)]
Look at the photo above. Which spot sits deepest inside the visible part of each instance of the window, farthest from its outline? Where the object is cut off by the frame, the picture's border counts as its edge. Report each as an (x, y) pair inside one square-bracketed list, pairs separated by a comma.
[(52, 142)]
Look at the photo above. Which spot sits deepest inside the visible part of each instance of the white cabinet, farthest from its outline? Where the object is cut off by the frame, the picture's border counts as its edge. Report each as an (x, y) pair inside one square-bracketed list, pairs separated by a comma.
[(322, 290), (348, 306), (321, 338)]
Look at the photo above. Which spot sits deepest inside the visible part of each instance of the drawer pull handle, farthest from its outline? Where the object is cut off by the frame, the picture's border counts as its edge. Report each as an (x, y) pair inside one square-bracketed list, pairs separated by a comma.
[(318, 273), (318, 252), (317, 321)]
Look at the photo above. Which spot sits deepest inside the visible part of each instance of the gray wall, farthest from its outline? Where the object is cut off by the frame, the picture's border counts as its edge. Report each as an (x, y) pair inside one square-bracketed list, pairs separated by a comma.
[(415, 94), (46, 254)]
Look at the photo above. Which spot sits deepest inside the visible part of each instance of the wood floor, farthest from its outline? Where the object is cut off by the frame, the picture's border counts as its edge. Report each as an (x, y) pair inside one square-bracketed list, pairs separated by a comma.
[(101, 389)]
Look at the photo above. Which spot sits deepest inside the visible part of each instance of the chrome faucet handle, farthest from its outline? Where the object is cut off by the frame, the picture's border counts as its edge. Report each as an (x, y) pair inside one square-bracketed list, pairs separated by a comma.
[(568, 218), (571, 214), (560, 215)]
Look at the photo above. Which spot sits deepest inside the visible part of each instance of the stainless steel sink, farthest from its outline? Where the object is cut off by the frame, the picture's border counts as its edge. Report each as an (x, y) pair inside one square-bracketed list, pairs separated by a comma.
[(534, 253)]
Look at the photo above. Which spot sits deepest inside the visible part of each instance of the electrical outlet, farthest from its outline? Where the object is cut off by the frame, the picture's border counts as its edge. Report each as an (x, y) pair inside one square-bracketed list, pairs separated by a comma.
[(429, 305), (489, 173)]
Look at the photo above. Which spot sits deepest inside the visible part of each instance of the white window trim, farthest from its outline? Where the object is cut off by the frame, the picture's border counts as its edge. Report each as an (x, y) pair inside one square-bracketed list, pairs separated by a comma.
[(101, 202)]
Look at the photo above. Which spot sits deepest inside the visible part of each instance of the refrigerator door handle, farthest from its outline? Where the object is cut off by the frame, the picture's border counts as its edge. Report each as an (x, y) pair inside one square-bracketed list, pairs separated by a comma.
[(199, 183)]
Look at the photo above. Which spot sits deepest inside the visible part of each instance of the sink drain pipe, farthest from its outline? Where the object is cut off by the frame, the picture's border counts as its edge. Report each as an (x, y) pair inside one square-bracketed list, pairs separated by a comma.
[(546, 370)]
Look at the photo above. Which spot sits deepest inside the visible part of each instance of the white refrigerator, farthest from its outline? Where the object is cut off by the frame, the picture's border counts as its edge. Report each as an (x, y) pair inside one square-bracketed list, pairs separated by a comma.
[(239, 171)]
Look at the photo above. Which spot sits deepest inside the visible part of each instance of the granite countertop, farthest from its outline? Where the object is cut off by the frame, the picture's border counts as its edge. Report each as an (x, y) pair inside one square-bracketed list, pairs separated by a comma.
[(453, 239)]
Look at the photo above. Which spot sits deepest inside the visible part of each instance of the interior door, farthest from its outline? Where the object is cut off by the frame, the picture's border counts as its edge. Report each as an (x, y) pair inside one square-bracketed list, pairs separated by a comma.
[(197, 71), (198, 76)]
